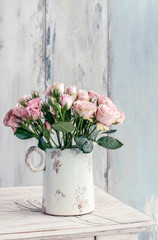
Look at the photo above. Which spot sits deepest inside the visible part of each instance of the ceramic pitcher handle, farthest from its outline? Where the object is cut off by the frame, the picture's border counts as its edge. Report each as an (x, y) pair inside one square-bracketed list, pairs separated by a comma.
[(29, 163)]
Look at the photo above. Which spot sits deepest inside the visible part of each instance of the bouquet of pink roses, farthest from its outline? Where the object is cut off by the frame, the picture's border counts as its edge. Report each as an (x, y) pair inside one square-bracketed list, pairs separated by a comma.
[(76, 118)]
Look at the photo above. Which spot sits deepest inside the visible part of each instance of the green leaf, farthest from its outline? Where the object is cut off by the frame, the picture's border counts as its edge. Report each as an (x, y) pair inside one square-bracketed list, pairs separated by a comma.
[(46, 133), (109, 142), (94, 134), (80, 140), (63, 127), (87, 146), (23, 133), (84, 144), (110, 131), (41, 143), (49, 118)]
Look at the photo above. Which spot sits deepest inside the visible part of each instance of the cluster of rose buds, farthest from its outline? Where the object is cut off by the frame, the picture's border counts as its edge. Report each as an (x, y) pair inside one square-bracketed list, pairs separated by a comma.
[(63, 105), (88, 104)]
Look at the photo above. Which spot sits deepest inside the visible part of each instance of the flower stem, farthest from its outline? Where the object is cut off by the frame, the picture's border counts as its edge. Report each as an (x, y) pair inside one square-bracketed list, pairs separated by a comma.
[(91, 132), (53, 141), (58, 137), (87, 129)]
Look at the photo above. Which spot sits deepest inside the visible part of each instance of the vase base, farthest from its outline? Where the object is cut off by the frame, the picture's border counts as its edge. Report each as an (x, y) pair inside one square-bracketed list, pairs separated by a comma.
[(69, 215)]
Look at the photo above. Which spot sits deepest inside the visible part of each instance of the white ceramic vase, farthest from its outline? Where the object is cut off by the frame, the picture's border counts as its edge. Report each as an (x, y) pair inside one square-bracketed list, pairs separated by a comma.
[(67, 181)]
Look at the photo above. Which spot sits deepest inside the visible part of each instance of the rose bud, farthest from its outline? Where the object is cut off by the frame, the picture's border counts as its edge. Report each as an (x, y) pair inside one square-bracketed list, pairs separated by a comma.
[(103, 100), (83, 95), (35, 94), (84, 109), (33, 109), (120, 119), (66, 99), (106, 115), (47, 125), (54, 87), (70, 90), (11, 121), (16, 111), (92, 96)]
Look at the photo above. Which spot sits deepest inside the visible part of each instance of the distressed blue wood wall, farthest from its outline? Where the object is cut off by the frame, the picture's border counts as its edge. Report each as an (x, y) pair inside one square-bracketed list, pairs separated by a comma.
[(133, 55)]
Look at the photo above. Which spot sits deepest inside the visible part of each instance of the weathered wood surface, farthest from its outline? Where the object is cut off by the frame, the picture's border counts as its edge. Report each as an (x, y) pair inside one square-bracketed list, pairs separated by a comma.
[(21, 217), (133, 56), (132, 236), (22, 69)]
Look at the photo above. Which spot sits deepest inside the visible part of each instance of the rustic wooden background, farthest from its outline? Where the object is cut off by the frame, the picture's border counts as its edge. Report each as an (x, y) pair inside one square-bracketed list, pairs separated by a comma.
[(107, 46)]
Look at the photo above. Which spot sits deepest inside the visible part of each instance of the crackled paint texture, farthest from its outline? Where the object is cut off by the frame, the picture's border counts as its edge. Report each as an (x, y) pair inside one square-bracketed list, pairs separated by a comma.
[(107, 46)]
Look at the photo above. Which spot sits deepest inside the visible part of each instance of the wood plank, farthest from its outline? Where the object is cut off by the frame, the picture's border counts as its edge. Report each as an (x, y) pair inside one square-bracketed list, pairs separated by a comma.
[(64, 235), (77, 54), (22, 70), (133, 76), (84, 238), (119, 237), (26, 220)]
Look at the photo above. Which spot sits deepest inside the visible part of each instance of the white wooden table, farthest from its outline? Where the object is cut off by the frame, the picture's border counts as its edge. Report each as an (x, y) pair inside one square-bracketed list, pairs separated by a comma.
[(21, 217)]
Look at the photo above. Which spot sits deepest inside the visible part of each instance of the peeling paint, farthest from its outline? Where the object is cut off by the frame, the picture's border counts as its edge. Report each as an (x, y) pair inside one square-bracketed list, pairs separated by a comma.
[(59, 193), (53, 41), (98, 14), (56, 165), (55, 154), (48, 68), (81, 202), (48, 36)]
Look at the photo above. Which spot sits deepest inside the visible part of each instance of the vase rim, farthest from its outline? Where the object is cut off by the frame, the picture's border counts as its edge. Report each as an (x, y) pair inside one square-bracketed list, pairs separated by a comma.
[(55, 148), (76, 149), (59, 149)]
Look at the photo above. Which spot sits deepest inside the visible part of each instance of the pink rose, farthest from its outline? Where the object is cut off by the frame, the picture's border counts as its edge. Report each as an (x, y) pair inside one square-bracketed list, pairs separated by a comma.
[(106, 115), (107, 101), (71, 90), (54, 86), (84, 109), (103, 100), (92, 96), (25, 113), (47, 125), (33, 109), (25, 98), (11, 121), (121, 118), (66, 99), (16, 111), (83, 95)]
